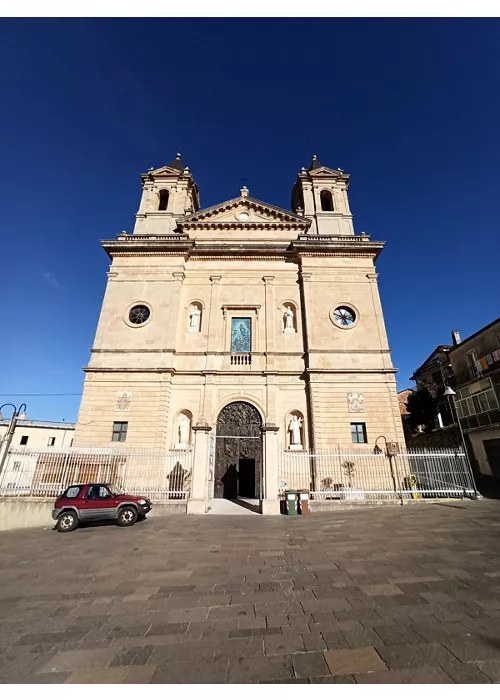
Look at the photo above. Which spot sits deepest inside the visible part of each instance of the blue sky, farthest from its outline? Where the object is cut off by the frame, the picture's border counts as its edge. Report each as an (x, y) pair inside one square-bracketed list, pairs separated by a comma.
[(410, 108)]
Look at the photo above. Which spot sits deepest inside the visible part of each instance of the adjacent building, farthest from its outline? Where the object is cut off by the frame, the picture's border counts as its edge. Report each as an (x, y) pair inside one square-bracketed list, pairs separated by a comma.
[(260, 326), (475, 364), (39, 434), (435, 374), (403, 410)]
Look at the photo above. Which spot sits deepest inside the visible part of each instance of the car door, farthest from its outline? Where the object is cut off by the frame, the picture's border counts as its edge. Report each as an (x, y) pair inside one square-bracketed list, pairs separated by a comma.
[(98, 503)]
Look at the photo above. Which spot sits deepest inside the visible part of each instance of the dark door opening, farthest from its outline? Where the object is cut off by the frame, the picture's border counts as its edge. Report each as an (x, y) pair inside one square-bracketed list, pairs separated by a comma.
[(492, 449), (246, 481)]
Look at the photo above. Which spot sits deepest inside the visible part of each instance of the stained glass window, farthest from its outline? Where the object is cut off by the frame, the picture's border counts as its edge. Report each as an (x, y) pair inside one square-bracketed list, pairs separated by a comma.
[(241, 335)]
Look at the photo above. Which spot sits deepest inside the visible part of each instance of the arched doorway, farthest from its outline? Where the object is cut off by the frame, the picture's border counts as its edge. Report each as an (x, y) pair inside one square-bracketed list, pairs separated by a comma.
[(238, 452)]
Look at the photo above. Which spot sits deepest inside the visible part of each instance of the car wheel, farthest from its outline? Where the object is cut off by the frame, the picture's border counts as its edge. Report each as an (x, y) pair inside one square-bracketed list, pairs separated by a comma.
[(67, 522), (127, 516)]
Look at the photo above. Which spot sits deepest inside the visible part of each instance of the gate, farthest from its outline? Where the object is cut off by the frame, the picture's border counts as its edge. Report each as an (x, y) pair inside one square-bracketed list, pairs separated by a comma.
[(210, 474)]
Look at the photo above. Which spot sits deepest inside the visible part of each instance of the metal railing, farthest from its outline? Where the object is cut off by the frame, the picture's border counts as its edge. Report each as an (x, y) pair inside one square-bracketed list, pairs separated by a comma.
[(362, 474), (46, 473)]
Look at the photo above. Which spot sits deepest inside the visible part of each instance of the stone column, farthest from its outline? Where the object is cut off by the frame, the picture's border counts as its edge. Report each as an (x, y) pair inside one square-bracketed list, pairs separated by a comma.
[(197, 501), (270, 504)]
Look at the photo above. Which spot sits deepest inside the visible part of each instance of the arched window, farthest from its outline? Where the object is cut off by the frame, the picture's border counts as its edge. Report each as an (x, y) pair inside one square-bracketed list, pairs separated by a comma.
[(163, 200), (326, 201)]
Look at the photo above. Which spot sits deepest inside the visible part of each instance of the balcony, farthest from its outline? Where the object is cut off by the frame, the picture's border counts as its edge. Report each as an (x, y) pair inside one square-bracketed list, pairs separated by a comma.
[(471, 373), (243, 359)]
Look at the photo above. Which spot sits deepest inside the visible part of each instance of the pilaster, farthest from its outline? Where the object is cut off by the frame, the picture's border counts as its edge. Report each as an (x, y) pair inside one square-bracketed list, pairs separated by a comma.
[(175, 303), (270, 320), (197, 502), (270, 504), (213, 325)]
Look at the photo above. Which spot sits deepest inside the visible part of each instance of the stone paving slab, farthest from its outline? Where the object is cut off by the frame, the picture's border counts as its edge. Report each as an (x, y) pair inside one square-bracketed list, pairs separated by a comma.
[(385, 595)]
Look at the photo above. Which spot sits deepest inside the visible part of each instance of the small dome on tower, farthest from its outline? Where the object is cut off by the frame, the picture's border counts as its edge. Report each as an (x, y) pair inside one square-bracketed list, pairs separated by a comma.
[(177, 163), (314, 164)]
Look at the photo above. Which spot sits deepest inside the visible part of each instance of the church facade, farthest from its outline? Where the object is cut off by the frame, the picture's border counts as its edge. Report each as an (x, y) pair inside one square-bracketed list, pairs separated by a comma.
[(260, 326)]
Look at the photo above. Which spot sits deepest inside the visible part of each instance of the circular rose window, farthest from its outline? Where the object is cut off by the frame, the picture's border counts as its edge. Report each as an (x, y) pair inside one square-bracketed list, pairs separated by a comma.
[(139, 314), (344, 316)]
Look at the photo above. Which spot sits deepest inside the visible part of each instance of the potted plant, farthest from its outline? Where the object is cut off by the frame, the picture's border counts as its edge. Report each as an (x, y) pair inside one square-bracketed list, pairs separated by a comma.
[(351, 493)]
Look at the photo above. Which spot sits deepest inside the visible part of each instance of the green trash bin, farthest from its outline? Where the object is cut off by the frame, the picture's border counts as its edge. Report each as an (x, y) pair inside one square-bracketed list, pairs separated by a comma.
[(291, 498)]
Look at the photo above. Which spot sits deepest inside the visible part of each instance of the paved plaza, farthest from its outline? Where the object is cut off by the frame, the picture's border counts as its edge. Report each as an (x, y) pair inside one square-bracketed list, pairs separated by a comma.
[(381, 595)]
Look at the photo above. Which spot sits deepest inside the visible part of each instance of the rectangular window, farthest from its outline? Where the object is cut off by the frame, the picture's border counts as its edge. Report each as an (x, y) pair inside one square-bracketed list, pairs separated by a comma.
[(24, 440), (17, 466), (490, 395), (241, 334), (358, 432), (471, 358), (51, 442), (119, 432), (479, 402)]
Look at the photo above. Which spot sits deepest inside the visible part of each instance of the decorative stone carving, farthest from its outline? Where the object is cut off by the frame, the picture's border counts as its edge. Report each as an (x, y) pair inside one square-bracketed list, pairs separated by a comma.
[(123, 401), (355, 403), (295, 430), (183, 431), (194, 319), (288, 317)]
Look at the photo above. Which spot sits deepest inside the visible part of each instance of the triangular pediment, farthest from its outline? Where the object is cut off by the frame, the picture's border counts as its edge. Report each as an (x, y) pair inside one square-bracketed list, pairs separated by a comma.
[(323, 170), (163, 171), (242, 212)]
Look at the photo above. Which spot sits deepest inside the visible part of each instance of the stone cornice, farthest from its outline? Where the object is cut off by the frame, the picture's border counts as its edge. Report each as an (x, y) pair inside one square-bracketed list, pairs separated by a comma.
[(351, 371), (305, 246), (233, 374), (337, 246)]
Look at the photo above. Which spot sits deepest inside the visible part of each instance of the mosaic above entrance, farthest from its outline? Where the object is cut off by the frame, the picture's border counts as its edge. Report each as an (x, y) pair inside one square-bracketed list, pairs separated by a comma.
[(241, 334)]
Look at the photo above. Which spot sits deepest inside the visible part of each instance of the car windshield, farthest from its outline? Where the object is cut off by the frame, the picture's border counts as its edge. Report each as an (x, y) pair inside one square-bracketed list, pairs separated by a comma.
[(116, 490)]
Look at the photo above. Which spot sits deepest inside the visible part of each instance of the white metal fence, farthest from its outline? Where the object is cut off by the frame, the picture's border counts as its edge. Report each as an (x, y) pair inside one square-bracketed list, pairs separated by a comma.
[(359, 474), (158, 475)]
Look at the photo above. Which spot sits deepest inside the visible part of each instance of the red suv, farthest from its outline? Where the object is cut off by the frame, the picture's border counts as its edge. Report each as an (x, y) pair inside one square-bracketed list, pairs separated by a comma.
[(85, 502)]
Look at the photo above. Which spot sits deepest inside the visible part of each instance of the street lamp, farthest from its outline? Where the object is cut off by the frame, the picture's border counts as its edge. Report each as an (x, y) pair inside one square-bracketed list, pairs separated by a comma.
[(17, 414), (450, 394)]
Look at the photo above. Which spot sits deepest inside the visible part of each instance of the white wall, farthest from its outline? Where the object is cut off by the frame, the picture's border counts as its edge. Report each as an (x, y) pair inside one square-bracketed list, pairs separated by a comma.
[(38, 436)]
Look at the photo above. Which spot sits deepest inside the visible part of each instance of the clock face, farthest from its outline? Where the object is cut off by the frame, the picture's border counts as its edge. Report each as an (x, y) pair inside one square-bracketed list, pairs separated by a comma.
[(344, 316), (243, 216)]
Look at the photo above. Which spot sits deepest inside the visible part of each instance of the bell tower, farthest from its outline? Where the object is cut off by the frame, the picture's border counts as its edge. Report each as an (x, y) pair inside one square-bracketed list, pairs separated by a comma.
[(320, 194), (168, 193)]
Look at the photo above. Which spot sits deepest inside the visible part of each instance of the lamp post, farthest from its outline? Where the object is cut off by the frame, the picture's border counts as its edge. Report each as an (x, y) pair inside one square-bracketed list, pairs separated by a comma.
[(17, 414), (450, 394), (389, 454)]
